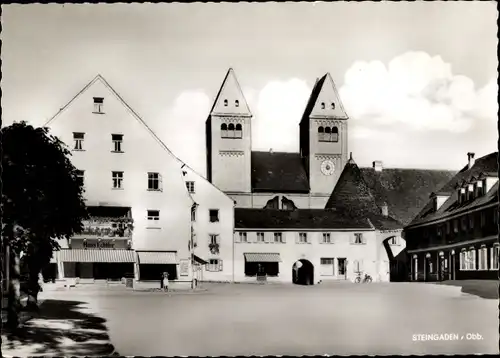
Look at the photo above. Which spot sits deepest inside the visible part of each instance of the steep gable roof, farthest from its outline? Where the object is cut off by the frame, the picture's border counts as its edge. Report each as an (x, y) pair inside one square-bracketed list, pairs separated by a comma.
[(405, 191), (278, 172), (230, 90), (135, 116), (352, 195), (486, 164)]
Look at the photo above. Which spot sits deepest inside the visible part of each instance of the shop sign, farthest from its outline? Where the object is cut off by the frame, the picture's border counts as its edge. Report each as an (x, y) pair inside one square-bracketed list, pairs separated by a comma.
[(184, 267), (98, 243)]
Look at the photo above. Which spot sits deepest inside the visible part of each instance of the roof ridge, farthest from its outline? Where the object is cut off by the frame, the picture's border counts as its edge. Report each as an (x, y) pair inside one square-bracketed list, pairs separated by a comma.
[(222, 86)]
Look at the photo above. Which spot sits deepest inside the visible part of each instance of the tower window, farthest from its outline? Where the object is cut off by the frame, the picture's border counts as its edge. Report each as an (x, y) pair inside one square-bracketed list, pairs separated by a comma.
[(335, 134), (238, 132), (98, 105), (322, 105), (225, 103), (230, 130), (321, 134), (223, 130), (333, 105), (237, 103), (328, 134)]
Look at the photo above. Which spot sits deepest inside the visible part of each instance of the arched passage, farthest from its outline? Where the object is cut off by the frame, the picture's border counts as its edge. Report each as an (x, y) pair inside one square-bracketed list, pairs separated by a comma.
[(303, 272), (398, 260)]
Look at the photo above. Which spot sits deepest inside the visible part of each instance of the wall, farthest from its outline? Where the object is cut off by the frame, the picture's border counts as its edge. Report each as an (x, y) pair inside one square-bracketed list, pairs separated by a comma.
[(259, 200), (291, 251), (141, 154)]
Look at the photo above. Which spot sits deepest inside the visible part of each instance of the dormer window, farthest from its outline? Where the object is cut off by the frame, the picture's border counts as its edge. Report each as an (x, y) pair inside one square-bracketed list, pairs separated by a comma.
[(225, 103), (237, 103), (479, 189), (322, 105), (98, 105), (333, 105)]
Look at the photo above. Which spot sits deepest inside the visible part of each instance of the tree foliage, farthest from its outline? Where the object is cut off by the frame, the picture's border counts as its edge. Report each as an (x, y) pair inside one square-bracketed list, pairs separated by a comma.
[(42, 197)]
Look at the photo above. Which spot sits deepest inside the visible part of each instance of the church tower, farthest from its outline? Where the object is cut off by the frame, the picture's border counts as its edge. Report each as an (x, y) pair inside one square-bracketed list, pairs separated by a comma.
[(323, 137), (228, 139)]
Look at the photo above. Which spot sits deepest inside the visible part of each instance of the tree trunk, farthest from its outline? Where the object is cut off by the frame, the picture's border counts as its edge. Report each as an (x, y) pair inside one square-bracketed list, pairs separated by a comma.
[(14, 295), (33, 283)]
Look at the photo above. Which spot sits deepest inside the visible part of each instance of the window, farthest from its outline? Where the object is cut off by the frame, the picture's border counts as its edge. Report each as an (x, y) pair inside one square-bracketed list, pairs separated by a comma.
[(463, 261), (327, 238), (260, 237), (322, 105), (223, 130), (154, 215), (335, 134), (78, 138), (395, 240), (117, 180), (333, 105), (483, 219), (98, 105), (321, 134), (225, 103), (190, 186), (358, 238), (495, 250), (193, 213), (341, 262), (472, 259), (214, 265), (230, 130), (214, 239), (303, 238), (358, 266), (479, 189), (237, 103), (80, 176), (214, 215), (278, 237), (483, 258), (464, 223), (154, 181), (327, 266), (243, 236), (117, 140), (328, 135), (238, 131)]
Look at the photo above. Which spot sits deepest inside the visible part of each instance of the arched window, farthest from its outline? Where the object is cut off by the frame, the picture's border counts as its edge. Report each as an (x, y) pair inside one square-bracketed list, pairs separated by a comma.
[(225, 103), (238, 131), (333, 105), (328, 134), (223, 130), (322, 105), (237, 103), (230, 130), (335, 134), (321, 134)]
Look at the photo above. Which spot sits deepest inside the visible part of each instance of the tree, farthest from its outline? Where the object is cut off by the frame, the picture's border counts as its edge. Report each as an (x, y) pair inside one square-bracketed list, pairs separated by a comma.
[(42, 202)]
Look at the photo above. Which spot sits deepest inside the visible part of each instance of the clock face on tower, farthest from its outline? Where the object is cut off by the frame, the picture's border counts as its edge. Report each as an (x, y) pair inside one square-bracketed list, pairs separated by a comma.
[(327, 167)]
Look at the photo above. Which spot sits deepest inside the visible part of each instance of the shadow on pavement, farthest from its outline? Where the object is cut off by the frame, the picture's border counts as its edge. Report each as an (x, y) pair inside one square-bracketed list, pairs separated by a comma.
[(482, 288), (61, 328)]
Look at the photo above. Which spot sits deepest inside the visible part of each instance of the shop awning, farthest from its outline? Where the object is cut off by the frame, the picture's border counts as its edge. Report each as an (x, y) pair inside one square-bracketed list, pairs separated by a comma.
[(109, 256), (262, 257), (199, 260), (157, 257)]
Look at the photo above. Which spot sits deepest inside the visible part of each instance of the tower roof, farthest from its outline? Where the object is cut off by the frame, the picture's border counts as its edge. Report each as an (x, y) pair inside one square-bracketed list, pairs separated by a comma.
[(230, 98)]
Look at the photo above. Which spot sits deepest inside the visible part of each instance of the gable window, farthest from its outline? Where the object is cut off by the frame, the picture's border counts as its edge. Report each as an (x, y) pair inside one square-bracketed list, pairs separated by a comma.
[(213, 215), (322, 105), (190, 186), (333, 105), (278, 237), (193, 213), (243, 236), (117, 140), (494, 253), (117, 180), (225, 103), (154, 181), (78, 138), (238, 131), (237, 103), (153, 215), (98, 105), (358, 238), (260, 237), (483, 258), (326, 238), (223, 130), (214, 265), (395, 240), (303, 238), (80, 177)]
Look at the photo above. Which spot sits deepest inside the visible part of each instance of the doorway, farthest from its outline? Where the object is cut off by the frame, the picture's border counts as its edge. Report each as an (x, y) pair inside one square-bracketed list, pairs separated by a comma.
[(303, 272)]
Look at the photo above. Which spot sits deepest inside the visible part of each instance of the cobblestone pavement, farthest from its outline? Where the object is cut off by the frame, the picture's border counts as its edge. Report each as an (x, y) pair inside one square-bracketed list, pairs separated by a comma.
[(284, 319)]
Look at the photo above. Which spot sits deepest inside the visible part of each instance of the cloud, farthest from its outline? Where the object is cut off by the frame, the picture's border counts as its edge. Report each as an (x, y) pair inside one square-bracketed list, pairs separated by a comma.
[(416, 90)]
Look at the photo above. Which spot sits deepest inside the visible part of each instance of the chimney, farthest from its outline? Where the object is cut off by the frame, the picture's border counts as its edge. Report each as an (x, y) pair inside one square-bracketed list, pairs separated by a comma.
[(384, 209), (377, 165), (470, 158)]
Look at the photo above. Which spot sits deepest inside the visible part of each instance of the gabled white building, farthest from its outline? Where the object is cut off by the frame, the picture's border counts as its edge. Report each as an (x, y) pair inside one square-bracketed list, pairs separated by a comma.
[(131, 179)]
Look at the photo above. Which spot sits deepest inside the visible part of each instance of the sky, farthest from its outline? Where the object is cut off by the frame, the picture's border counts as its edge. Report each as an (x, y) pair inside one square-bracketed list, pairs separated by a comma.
[(418, 79)]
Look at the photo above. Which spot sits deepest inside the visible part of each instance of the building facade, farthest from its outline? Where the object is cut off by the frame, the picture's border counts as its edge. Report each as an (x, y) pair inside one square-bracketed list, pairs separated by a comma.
[(455, 236), (140, 197)]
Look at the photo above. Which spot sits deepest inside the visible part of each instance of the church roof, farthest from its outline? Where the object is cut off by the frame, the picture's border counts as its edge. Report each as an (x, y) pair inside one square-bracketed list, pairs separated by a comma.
[(278, 172), (485, 165), (353, 196), (247, 218)]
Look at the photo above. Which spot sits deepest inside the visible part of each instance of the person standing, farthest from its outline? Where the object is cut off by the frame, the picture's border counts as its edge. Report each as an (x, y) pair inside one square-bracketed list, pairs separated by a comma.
[(165, 281)]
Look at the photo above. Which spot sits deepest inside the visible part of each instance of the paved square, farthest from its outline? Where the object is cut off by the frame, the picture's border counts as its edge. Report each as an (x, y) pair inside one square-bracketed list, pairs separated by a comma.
[(337, 318)]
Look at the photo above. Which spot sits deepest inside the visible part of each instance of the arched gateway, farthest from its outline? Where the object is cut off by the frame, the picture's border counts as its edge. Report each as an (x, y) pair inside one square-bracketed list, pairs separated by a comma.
[(303, 272)]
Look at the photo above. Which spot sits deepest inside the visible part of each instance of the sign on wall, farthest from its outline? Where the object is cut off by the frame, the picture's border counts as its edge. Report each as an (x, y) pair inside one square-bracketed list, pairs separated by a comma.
[(184, 267)]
